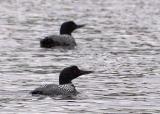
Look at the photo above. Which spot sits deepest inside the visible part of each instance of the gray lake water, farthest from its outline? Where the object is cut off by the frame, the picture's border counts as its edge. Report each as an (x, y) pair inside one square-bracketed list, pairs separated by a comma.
[(121, 43)]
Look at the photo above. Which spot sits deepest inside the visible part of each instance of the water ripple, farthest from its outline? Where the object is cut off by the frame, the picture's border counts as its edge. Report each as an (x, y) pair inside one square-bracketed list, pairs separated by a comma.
[(120, 43)]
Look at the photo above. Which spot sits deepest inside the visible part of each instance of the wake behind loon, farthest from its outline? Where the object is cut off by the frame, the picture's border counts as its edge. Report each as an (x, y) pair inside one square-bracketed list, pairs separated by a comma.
[(65, 86), (64, 39)]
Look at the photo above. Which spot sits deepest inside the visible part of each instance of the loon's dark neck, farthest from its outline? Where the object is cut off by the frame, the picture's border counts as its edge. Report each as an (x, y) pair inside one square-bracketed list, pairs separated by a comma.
[(66, 29), (62, 82), (65, 33)]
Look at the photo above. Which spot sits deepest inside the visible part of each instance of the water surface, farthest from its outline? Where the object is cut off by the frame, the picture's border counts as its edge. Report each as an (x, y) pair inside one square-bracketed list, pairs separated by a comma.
[(120, 43)]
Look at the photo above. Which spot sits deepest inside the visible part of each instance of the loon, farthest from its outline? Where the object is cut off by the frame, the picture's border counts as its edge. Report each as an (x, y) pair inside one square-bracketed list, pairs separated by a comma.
[(64, 39), (65, 86)]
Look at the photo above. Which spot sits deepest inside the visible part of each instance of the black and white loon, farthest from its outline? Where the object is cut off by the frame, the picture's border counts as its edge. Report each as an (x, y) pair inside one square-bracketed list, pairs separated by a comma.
[(65, 86), (64, 39)]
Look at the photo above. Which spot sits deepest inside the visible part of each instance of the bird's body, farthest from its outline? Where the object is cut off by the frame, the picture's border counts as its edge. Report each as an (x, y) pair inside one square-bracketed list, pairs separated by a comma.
[(58, 40), (54, 90)]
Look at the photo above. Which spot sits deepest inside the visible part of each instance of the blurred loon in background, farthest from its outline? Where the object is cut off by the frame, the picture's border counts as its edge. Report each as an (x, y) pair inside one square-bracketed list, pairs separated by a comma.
[(65, 86), (64, 39)]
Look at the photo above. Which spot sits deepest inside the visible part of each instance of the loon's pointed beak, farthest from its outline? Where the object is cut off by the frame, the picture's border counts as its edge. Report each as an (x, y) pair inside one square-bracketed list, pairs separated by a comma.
[(82, 72), (79, 26)]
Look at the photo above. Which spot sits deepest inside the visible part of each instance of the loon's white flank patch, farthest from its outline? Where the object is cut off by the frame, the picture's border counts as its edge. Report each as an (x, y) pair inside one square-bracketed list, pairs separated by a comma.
[(67, 87)]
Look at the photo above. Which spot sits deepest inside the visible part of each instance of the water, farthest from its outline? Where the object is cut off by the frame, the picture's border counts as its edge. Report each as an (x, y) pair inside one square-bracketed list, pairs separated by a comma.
[(120, 42)]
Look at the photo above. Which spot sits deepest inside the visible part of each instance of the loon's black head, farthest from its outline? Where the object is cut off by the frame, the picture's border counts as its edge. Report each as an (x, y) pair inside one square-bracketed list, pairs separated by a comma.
[(68, 27), (70, 73)]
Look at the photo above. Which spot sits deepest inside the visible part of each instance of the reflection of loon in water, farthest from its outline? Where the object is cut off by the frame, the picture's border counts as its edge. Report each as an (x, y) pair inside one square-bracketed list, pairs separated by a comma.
[(64, 39), (65, 86)]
